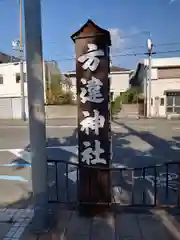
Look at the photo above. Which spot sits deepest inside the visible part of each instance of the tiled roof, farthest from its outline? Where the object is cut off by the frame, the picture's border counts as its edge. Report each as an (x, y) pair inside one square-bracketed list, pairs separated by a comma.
[(118, 69), (5, 58)]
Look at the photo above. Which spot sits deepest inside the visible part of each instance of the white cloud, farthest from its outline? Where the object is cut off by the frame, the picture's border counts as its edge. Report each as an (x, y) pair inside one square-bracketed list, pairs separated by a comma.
[(134, 30), (172, 1), (117, 41)]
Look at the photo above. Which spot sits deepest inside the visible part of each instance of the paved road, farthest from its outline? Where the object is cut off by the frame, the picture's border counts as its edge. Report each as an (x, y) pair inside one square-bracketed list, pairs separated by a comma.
[(136, 143)]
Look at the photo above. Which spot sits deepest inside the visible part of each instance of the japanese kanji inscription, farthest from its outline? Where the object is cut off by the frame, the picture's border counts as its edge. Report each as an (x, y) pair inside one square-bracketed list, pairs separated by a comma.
[(91, 58), (92, 91), (92, 73)]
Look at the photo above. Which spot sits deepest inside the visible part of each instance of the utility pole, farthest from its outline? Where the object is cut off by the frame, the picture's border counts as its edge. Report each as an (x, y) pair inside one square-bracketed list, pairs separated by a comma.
[(145, 94), (149, 46), (34, 59), (49, 81), (21, 51)]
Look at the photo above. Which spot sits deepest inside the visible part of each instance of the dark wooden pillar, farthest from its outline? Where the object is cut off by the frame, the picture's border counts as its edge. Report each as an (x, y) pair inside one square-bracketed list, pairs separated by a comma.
[(93, 87)]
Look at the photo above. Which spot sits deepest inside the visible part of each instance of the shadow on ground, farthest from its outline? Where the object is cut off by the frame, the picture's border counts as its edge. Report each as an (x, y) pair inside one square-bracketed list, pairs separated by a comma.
[(133, 182)]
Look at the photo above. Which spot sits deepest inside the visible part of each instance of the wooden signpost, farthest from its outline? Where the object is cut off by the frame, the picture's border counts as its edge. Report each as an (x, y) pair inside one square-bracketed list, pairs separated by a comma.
[(94, 143)]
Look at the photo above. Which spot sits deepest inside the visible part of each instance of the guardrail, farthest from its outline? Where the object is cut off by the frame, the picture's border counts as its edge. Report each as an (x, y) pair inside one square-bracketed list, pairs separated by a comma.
[(149, 186)]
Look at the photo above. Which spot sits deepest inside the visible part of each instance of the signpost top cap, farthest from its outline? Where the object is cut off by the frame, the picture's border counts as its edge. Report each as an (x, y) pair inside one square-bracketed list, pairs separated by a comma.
[(90, 29)]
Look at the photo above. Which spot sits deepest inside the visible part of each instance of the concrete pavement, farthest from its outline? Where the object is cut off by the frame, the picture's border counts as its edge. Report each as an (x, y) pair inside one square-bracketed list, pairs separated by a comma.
[(13, 222), (125, 226), (136, 143), (154, 224)]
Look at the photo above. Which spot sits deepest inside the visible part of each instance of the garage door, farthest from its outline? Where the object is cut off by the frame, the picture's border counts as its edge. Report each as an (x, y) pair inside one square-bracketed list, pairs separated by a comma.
[(16, 108), (5, 108)]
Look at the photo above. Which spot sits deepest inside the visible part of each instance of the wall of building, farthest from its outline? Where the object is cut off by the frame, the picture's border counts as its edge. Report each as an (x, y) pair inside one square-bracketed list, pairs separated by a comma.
[(161, 84), (13, 110), (158, 87), (10, 107), (163, 62), (63, 111), (10, 88), (119, 82)]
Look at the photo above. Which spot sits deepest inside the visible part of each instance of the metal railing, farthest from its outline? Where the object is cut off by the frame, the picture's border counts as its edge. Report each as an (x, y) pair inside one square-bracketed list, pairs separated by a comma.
[(150, 186)]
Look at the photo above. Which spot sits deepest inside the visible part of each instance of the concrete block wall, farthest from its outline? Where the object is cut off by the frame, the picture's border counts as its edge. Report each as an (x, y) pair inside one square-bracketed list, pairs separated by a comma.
[(63, 111)]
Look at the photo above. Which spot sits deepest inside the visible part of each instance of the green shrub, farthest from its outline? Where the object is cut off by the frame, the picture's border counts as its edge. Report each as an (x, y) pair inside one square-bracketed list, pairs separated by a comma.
[(116, 105), (57, 96), (130, 96)]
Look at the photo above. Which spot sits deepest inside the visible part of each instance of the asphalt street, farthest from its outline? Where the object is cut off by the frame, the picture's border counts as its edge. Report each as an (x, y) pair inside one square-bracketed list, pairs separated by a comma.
[(136, 143)]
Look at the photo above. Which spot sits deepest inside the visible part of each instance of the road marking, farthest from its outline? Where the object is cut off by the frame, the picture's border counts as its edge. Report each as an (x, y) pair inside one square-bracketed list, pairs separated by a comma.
[(26, 127), (15, 165), (55, 127), (13, 178), (161, 179), (175, 128), (146, 126)]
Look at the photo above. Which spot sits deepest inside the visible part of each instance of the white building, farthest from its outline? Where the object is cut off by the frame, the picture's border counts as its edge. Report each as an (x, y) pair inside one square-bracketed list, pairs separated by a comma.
[(10, 86), (119, 80), (165, 85), (10, 90)]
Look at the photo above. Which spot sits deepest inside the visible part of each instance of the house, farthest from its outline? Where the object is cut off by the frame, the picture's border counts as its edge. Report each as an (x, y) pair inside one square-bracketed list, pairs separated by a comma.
[(165, 85), (119, 80), (10, 89)]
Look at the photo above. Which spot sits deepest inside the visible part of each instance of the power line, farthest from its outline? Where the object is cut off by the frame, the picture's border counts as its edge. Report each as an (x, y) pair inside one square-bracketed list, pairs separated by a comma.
[(167, 44), (124, 37), (137, 54), (144, 46), (124, 55)]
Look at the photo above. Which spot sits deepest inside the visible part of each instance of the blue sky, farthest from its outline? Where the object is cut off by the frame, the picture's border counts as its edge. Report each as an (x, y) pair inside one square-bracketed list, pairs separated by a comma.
[(129, 21)]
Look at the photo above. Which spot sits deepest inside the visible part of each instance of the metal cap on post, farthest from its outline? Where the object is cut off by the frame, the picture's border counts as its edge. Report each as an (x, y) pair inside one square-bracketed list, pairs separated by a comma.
[(34, 58), (92, 73)]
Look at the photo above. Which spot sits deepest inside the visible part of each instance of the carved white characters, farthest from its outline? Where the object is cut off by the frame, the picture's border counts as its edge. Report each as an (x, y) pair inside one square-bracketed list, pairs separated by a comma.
[(93, 123), (90, 59), (92, 92), (90, 156)]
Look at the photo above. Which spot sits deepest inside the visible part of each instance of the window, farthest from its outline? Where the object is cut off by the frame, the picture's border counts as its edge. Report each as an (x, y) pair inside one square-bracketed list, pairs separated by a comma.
[(173, 104), (1, 79), (112, 96), (177, 100), (169, 100), (151, 101), (18, 78), (177, 110), (162, 102), (169, 109)]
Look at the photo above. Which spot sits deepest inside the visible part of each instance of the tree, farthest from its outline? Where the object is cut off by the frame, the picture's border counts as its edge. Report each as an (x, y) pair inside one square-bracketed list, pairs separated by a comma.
[(130, 96), (116, 105), (56, 95)]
